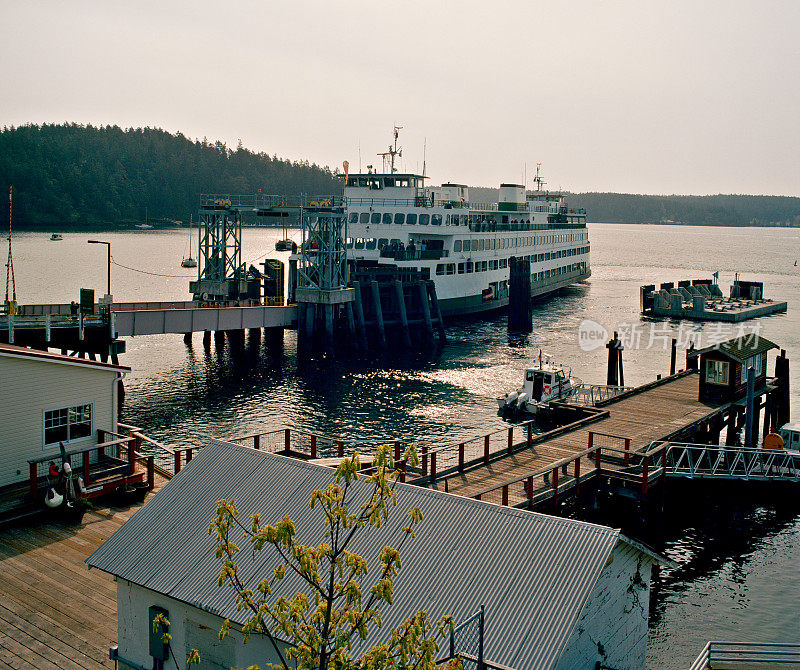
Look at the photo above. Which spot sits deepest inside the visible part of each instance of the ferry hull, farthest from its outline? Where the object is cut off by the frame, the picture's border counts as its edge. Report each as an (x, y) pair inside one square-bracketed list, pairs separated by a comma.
[(474, 304)]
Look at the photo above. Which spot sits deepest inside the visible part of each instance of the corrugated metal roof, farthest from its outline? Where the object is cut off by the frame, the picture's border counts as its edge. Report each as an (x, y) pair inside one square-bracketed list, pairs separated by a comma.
[(532, 572), (740, 348)]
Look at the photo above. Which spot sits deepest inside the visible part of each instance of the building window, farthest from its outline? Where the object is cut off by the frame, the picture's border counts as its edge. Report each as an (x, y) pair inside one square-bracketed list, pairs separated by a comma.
[(457, 246), (67, 424), (717, 372)]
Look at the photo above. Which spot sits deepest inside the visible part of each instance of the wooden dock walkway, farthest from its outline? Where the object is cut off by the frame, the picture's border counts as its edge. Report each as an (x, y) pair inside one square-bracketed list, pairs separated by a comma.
[(662, 410), (54, 612)]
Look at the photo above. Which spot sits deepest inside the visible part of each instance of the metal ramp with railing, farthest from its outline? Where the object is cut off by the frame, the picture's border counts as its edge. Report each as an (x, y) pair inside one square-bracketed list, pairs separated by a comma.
[(591, 394), (702, 461), (747, 656)]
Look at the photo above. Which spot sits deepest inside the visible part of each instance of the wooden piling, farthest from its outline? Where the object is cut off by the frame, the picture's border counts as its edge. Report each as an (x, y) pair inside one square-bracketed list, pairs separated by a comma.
[(520, 302), (358, 310), (376, 303), (437, 313), (187, 338), (351, 325), (426, 313), (614, 346), (405, 334), (673, 356), (782, 375)]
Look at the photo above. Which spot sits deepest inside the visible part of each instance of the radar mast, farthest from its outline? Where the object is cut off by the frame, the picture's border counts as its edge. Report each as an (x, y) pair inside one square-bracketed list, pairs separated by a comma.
[(392, 152)]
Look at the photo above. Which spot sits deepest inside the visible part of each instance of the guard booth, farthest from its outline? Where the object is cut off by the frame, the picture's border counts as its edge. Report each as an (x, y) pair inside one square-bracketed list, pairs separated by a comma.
[(723, 367)]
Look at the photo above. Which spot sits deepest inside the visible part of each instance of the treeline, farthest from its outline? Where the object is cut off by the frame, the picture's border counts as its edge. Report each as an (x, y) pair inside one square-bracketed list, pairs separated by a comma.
[(694, 210), (79, 176)]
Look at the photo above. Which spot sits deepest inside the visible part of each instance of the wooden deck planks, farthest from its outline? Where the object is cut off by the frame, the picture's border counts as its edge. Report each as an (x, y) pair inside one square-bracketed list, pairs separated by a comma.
[(54, 612), (643, 418)]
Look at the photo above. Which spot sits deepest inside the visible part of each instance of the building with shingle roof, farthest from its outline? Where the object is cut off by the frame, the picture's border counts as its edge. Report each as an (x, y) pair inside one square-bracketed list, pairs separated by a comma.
[(557, 593)]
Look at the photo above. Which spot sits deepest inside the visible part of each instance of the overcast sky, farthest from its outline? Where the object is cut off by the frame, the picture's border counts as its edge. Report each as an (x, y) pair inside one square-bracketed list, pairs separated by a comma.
[(638, 97)]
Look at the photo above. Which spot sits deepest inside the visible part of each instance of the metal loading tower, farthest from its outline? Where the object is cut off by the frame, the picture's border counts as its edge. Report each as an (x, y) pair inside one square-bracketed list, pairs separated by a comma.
[(220, 273), (322, 291)]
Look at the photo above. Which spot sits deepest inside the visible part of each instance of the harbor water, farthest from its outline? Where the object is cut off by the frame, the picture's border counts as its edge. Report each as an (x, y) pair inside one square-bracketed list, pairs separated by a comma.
[(736, 553)]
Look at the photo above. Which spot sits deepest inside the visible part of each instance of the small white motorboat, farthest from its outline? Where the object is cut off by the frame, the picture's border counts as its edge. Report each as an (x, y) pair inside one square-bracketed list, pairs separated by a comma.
[(790, 433), (544, 382)]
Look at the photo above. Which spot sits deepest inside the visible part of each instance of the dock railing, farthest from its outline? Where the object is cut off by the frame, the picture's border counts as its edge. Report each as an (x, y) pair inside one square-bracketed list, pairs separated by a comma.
[(747, 656)]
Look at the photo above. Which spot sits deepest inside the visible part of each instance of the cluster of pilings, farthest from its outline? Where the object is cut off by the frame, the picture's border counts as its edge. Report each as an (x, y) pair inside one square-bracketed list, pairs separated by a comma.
[(236, 338), (520, 301), (385, 307)]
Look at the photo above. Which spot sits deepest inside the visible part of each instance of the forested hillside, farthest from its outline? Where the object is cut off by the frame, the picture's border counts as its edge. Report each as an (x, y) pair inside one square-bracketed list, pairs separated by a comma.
[(70, 176), (82, 176)]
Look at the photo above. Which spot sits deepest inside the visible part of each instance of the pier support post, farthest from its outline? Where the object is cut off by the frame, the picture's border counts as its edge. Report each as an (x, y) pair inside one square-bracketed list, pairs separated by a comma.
[(673, 356), (308, 321), (520, 302), (437, 313), (359, 315), (187, 338), (401, 310), (426, 314), (219, 340), (614, 347), (351, 325), (731, 433), (750, 409), (376, 302), (327, 311), (782, 375)]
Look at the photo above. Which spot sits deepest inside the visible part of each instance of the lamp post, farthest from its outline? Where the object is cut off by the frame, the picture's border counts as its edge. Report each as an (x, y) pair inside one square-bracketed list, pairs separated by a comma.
[(108, 244)]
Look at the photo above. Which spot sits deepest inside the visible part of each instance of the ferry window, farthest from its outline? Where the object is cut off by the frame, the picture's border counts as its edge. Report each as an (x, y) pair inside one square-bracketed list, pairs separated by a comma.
[(503, 262), (424, 219), (474, 245), (399, 219), (388, 182), (494, 244), (451, 268), (349, 242), (359, 243), (461, 268), (387, 218), (464, 219), (353, 181), (374, 184), (67, 424), (436, 220), (484, 266), (469, 267), (382, 242), (362, 181), (481, 245), (376, 218), (411, 219), (440, 268), (457, 246), (371, 243), (353, 217), (364, 218), (394, 241), (402, 183)]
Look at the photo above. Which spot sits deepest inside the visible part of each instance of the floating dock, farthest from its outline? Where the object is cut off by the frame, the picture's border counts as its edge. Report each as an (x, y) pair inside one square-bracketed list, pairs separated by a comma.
[(702, 300)]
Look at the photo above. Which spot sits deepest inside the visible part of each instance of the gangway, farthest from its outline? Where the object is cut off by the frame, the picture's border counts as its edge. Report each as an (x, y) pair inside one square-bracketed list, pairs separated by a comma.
[(591, 394), (703, 461)]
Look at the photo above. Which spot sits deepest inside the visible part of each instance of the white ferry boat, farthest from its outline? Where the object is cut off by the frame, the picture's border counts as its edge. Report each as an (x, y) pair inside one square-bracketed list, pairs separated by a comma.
[(464, 247)]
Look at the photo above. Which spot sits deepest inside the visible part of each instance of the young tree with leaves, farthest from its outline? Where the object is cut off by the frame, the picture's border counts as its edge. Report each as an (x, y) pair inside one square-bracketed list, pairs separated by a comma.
[(340, 602)]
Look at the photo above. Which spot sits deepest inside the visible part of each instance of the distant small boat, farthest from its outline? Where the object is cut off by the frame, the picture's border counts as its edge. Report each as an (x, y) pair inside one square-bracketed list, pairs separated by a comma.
[(189, 262), (56, 237)]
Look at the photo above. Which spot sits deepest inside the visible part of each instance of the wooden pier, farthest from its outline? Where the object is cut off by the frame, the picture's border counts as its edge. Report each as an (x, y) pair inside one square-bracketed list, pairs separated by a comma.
[(54, 612)]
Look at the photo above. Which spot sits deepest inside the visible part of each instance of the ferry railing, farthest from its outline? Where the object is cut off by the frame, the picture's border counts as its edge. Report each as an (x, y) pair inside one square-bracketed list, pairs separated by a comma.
[(747, 655), (416, 255)]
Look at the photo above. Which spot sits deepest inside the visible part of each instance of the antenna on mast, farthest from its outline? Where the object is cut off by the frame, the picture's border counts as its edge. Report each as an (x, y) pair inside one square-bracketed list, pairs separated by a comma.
[(10, 281), (424, 154), (392, 152), (537, 179)]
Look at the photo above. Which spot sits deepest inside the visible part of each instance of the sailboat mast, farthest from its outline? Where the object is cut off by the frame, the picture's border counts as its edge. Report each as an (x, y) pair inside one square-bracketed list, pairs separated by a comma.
[(10, 263)]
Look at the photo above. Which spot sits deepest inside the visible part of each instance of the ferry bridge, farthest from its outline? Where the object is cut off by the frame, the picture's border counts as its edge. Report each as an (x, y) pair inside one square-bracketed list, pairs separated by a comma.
[(229, 296)]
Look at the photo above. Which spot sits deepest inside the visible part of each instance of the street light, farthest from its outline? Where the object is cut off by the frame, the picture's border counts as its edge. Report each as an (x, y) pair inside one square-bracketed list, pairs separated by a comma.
[(108, 244)]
